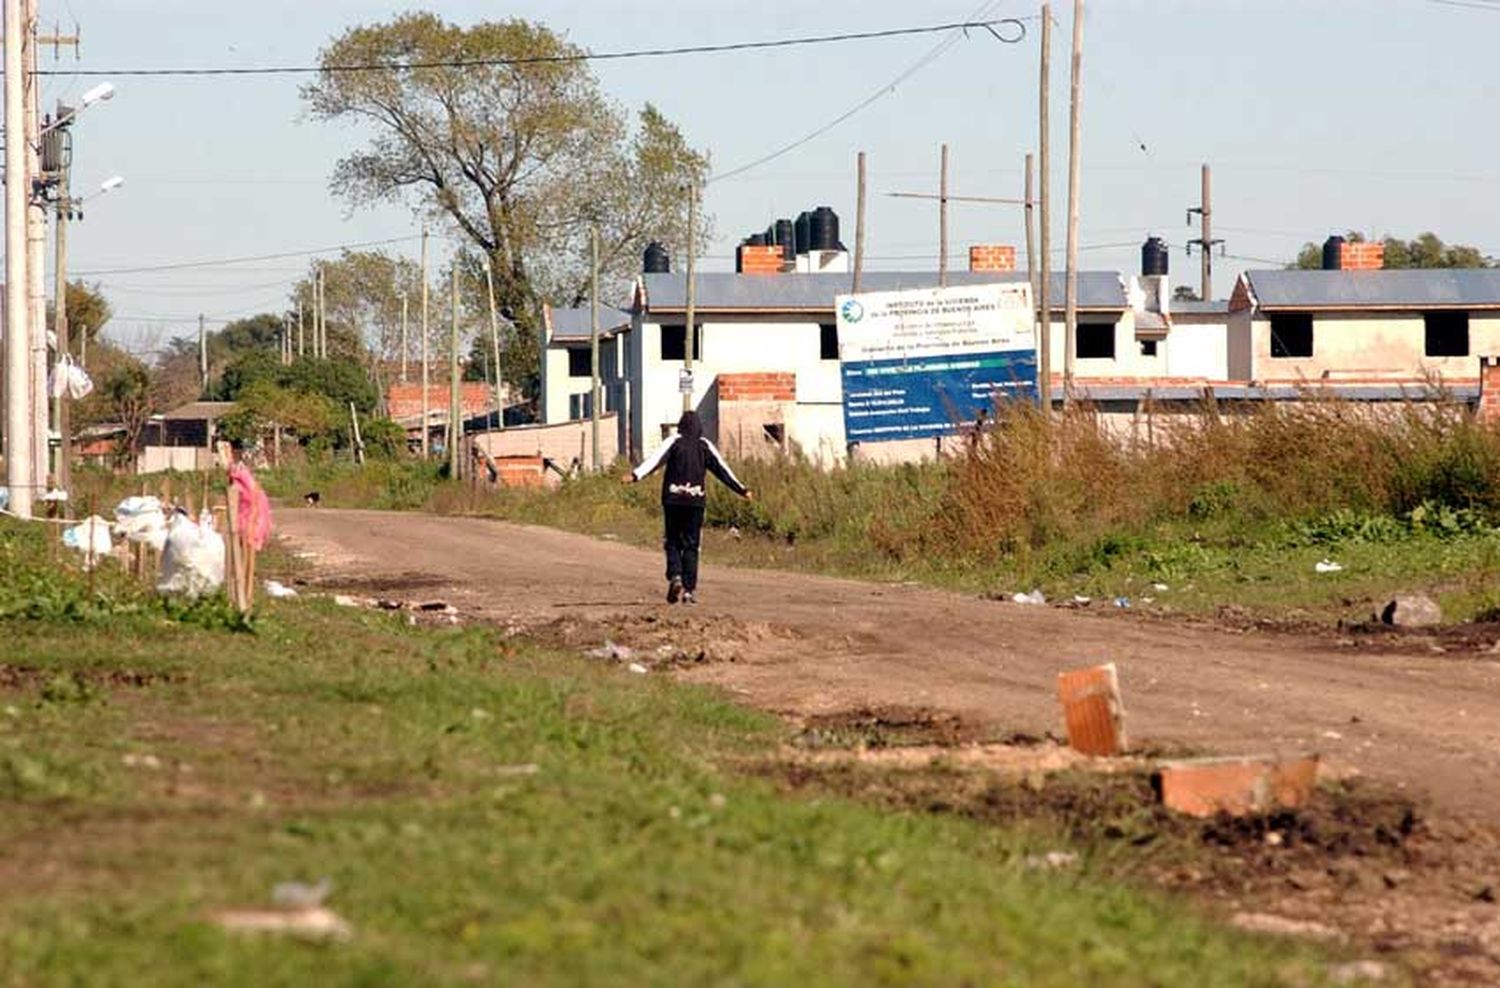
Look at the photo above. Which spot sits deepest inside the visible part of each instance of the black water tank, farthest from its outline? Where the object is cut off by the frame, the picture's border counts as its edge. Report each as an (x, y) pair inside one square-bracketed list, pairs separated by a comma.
[(802, 233), (756, 240), (657, 260), (1333, 247), (786, 237), (825, 229), (1154, 256)]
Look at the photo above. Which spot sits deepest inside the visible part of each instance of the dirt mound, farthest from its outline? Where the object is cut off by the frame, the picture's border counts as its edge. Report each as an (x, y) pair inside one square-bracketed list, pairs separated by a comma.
[(677, 639), (896, 726)]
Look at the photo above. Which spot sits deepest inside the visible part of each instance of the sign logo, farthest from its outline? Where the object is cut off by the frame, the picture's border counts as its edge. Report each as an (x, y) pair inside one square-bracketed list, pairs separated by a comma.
[(852, 311), (685, 381)]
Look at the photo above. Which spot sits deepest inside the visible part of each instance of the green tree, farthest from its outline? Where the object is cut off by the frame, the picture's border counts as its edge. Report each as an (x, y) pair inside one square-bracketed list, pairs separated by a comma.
[(88, 312), (1427, 251), (129, 396), (520, 158)]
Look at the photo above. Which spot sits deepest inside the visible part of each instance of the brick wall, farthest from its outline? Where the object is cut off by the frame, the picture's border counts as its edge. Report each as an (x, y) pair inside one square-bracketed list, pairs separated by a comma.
[(1489, 389), (992, 257), (773, 386), (760, 260), (1362, 256)]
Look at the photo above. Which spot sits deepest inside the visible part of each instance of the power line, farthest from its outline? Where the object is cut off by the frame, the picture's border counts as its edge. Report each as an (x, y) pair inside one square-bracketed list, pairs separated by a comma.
[(1009, 30), (960, 30), (182, 265)]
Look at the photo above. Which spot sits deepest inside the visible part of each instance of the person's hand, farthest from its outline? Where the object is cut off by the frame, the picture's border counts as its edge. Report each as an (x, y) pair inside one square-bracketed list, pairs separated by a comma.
[(749, 494), (628, 478)]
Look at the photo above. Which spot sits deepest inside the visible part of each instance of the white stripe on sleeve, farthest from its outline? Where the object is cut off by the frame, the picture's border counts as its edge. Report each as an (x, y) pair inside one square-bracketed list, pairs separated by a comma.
[(653, 461)]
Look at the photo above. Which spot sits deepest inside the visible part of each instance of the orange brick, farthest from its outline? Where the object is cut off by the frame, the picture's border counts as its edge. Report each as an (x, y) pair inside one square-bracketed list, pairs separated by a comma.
[(1237, 786), (1092, 710), (992, 257)]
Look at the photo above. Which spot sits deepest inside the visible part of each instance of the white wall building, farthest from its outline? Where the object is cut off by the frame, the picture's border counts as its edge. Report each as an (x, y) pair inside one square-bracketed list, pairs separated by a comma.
[(567, 361)]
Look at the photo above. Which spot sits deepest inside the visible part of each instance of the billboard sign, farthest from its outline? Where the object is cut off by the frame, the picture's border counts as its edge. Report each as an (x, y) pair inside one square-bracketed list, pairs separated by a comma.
[(927, 362)]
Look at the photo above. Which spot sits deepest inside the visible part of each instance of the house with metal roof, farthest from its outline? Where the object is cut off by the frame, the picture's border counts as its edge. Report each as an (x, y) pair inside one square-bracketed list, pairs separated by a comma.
[(1364, 326), (766, 350), (567, 361)]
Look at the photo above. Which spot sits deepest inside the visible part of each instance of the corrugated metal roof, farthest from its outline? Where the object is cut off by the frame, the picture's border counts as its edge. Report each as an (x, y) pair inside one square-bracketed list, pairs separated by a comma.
[(720, 291), (1249, 392), (1425, 288), (575, 323), (1216, 307), (201, 410)]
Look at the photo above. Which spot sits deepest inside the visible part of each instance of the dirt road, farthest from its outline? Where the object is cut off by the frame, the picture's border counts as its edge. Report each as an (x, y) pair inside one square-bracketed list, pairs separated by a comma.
[(807, 645)]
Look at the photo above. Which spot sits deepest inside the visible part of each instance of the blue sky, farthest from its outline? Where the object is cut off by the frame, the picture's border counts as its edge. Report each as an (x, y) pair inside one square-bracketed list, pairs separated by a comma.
[(1369, 114)]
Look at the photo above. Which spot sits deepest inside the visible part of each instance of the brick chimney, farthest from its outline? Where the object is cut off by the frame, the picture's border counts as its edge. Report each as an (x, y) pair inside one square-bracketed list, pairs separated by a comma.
[(760, 260), (1365, 255), (992, 257)]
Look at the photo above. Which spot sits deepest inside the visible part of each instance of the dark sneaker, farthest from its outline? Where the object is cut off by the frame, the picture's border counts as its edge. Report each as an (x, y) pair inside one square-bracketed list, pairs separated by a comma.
[(688, 597), (674, 590)]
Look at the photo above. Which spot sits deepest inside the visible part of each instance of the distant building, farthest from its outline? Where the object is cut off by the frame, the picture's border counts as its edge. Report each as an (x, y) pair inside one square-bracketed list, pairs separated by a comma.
[(1350, 325), (567, 361)]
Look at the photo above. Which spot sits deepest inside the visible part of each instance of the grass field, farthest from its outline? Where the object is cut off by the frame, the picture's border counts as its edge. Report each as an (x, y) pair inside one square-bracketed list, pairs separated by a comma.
[(487, 813)]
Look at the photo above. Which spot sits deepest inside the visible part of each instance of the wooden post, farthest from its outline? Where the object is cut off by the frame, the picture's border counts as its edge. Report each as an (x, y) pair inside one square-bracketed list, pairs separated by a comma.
[(943, 219), (691, 330), (859, 224)]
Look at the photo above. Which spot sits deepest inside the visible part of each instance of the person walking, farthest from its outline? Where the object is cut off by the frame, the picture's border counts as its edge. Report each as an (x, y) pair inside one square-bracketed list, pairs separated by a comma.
[(688, 458)]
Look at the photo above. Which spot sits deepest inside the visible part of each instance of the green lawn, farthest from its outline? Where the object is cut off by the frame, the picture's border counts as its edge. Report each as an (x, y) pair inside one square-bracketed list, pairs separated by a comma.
[(398, 762)]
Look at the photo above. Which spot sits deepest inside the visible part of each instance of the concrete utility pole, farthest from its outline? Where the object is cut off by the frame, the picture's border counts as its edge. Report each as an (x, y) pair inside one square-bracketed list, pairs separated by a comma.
[(690, 331), (301, 331), (1205, 239), (594, 391), (18, 424), (426, 386), (1075, 152), (320, 324), (1044, 281), (455, 407), (61, 412), (943, 219), (403, 337), (202, 357), (859, 224), (489, 284), (36, 258)]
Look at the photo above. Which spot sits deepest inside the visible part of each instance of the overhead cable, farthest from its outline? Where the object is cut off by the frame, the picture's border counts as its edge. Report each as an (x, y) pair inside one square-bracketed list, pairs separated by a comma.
[(1009, 30)]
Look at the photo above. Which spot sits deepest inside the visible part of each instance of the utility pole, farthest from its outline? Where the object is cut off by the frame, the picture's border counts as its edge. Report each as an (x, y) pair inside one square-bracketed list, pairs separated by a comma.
[(690, 332), (455, 408), (943, 219), (1075, 151), (595, 394), (320, 325), (404, 348), (301, 331), (426, 385), (1044, 286), (36, 258), (859, 224), (63, 469), (1030, 194), (1205, 239), (18, 466), (202, 357), (489, 282)]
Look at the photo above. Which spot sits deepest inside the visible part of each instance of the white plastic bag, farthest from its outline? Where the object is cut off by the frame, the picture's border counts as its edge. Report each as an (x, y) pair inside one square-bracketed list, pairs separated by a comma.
[(90, 537), (142, 519), (193, 561), (70, 380)]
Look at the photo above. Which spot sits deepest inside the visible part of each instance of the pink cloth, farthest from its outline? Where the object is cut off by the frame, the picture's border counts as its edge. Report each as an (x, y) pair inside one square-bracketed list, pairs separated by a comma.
[(254, 521)]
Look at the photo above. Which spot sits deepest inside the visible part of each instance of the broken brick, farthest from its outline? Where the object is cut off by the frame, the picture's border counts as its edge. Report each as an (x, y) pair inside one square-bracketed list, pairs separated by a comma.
[(1092, 710), (1237, 786)]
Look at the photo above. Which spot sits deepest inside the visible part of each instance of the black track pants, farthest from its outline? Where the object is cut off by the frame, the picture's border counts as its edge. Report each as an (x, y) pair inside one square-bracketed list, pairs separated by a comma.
[(684, 523)]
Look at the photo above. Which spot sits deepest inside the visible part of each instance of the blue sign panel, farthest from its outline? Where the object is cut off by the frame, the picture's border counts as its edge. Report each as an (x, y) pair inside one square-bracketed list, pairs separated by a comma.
[(930, 362), (902, 399)]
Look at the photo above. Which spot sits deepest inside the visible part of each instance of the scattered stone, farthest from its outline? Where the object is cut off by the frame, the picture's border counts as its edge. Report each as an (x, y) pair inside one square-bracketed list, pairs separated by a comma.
[(316, 923), (1274, 838), (614, 653), (141, 761), (1358, 972), (636, 667), (1485, 894), (1283, 926), (1051, 861), (1410, 610), (344, 600), (1035, 597), (1328, 566)]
